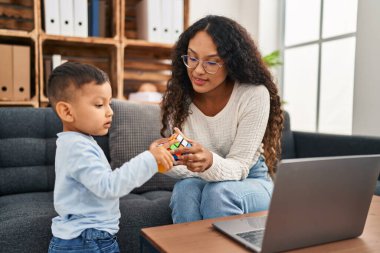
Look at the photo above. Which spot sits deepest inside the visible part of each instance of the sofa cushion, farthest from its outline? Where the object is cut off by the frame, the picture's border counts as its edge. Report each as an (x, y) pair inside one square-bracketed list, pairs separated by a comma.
[(28, 136), (134, 128), (287, 140), (27, 218), (27, 149), (138, 211), (377, 190)]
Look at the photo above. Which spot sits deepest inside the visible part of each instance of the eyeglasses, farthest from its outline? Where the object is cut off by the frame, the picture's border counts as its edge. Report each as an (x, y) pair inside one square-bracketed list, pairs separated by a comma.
[(210, 67)]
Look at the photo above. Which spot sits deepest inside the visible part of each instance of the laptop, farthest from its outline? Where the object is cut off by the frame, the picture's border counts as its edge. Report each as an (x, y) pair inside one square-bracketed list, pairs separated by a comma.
[(314, 201)]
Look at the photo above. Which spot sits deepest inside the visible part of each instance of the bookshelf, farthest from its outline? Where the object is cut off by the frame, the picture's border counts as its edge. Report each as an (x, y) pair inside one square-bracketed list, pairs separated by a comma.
[(128, 60), (102, 52), (19, 26), (143, 61)]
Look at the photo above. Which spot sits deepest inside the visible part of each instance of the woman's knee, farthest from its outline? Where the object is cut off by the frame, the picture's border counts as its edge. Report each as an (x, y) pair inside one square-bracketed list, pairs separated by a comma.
[(186, 187), (214, 194), (187, 184), (236, 196)]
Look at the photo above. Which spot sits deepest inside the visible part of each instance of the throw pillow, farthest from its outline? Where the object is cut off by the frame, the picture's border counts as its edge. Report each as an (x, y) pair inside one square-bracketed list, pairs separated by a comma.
[(134, 128)]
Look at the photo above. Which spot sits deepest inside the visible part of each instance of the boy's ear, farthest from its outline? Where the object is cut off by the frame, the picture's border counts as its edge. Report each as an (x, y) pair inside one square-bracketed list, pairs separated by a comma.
[(64, 111)]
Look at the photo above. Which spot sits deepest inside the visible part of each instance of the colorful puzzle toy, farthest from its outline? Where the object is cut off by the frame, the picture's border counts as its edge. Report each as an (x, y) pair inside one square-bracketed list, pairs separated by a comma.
[(181, 143)]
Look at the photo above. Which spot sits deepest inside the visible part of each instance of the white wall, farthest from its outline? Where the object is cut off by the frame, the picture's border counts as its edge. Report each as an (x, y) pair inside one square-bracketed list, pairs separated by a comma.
[(201, 8), (259, 17), (366, 108), (269, 26)]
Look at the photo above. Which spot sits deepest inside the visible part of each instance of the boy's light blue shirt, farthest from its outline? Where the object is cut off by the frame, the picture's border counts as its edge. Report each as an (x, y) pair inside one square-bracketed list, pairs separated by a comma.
[(86, 190)]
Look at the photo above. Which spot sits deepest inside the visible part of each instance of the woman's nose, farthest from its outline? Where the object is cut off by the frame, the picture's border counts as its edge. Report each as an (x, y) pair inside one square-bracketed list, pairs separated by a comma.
[(200, 69)]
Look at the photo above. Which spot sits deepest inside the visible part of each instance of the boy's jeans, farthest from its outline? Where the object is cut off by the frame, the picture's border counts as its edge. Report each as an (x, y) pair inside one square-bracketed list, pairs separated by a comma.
[(195, 199), (90, 241)]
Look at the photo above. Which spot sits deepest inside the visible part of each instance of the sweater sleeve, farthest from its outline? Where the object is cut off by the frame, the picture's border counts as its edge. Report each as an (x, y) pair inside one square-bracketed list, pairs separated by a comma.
[(96, 175), (180, 171), (252, 124)]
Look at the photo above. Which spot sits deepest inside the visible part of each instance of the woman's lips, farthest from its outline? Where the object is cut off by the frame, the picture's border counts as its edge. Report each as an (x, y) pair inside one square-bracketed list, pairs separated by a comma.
[(199, 81)]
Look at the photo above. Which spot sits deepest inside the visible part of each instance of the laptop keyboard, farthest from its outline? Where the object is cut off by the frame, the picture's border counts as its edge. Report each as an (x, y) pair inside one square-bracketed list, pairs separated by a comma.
[(255, 237)]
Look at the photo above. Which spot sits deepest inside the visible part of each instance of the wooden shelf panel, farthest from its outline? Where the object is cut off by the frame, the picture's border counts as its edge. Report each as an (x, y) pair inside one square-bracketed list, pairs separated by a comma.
[(33, 102), (103, 56), (17, 33), (78, 40), (16, 24), (146, 76), (17, 15), (148, 45), (146, 63)]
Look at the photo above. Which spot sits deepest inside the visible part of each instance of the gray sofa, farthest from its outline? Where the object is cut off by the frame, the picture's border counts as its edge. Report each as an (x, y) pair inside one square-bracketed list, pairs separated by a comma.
[(27, 150)]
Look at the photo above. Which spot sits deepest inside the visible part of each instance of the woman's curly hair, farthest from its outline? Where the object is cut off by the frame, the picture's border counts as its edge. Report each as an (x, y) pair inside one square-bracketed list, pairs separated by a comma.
[(244, 64)]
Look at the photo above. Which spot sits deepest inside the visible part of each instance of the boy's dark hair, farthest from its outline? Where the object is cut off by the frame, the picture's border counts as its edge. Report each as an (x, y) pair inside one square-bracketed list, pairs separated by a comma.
[(72, 74)]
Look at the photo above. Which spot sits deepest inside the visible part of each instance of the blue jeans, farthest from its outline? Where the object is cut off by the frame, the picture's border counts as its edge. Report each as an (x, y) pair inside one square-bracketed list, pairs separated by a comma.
[(90, 241), (196, 199)]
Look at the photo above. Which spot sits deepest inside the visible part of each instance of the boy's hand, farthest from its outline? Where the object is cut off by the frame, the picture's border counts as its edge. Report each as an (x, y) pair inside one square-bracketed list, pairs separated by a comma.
[(163, 157), (159, 142)]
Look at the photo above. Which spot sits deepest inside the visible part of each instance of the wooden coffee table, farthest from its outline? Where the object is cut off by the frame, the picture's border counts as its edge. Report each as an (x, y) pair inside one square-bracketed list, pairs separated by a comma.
[(200, 236)]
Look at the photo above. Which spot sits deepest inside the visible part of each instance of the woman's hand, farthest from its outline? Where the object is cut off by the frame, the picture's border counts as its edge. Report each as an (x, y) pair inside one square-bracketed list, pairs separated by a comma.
[(197, 158)]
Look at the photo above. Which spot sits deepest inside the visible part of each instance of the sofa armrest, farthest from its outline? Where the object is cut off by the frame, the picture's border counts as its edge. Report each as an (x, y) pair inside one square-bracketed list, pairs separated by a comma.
[(317, 144), (320, 145)]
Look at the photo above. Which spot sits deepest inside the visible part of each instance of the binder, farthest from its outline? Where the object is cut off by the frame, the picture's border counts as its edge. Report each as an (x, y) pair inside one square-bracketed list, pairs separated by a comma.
[(21, 73), (56, 60), (52, 20), (178, 12), (66, 14), (148, 15), (167, 21), (6, 72), (94, 21), (80, 18)]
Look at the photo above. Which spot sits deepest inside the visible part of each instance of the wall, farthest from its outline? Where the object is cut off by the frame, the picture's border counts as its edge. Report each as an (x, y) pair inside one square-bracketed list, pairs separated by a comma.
[(259, 17), (228, 8), (366, 107)]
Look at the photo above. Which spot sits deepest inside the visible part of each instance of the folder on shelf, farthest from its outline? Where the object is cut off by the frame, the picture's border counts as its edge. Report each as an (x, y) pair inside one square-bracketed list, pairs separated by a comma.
[(56, 60), (148, 15), (80, 18), (94, 18), (167, 21), (178, 11), (21, 73), (6, 72), (52, 20), (66, 14)]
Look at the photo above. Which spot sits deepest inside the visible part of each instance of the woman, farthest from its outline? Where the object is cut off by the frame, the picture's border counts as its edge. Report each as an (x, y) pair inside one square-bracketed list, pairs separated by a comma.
[(222, 96)]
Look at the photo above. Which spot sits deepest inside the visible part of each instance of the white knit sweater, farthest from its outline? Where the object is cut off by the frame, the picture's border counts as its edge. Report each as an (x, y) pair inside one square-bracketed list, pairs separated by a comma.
[(234, 135)]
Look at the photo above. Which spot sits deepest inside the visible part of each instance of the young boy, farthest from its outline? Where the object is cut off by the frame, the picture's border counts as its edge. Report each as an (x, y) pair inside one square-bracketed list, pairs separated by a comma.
[(87, 191)]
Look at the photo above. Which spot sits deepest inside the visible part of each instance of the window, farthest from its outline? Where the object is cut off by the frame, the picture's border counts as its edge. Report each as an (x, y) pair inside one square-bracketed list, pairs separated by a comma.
[(319, 58)]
